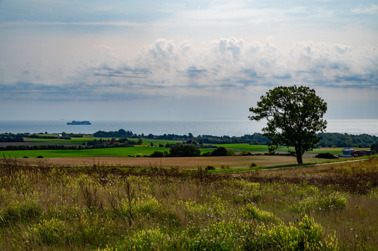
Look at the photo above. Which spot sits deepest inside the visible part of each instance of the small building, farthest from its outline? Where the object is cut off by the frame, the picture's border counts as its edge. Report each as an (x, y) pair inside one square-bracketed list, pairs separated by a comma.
[(360, 153), (347, 152)]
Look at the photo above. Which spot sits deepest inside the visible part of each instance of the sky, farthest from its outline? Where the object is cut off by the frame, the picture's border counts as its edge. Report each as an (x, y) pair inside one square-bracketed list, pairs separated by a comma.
[(183, 60)]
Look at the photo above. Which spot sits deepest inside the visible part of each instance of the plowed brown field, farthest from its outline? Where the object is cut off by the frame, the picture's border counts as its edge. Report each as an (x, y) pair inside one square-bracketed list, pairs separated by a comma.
[(183, 162)]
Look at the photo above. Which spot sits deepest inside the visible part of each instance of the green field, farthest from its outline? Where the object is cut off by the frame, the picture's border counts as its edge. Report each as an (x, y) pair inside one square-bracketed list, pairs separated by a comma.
[(141, 151), (110, 152), (144, 150)]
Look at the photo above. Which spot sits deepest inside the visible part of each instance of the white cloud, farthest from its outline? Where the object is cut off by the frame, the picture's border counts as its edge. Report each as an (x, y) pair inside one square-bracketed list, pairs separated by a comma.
[(373, 9)]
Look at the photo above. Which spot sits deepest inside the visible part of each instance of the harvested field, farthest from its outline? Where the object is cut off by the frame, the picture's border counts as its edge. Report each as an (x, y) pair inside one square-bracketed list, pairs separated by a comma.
[(183, 162)]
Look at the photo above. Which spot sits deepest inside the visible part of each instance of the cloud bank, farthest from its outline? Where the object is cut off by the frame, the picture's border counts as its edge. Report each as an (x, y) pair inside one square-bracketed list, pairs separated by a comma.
[(167, 67)]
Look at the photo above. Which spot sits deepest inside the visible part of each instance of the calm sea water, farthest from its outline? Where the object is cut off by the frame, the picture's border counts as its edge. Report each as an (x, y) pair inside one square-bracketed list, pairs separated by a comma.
[(217, 128)]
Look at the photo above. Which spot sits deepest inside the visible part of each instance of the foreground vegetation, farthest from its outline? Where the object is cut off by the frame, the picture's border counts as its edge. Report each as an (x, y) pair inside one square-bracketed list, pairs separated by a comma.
[(327, 207)]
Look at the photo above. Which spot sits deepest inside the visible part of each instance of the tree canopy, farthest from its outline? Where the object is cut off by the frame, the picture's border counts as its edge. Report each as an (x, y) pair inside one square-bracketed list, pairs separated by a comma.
[(294, 116)]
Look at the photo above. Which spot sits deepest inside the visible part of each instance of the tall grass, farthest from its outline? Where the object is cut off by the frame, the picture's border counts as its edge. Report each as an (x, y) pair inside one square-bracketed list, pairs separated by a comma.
[(44, 207)]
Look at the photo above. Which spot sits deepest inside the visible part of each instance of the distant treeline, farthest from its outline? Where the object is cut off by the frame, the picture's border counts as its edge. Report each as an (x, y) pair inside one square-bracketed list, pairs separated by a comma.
[(19, 137), (328, 139), (115, 134), (41, 147), (9, 137), (62, 147), (346, 140)]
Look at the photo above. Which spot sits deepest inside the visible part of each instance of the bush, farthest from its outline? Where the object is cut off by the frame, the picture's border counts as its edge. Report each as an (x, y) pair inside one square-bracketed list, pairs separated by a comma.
[(184, 151), (251, 211), (208, 168), (157, 154), (221, 151), (374, 147), (206, 154), (307, 235), (334, 201), (326, 156), (245, 153)]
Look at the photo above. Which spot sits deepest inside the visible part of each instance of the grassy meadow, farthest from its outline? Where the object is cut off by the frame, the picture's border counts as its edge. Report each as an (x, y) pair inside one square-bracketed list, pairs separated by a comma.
[(327, 207)]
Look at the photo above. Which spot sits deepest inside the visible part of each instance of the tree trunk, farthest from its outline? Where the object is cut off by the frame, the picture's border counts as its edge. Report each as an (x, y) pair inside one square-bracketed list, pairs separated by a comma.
[(299, 159), (298, 153)]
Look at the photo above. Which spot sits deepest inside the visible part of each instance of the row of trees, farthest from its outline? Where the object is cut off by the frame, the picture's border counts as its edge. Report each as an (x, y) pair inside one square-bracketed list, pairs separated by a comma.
[(41, 147), (121, 133), (124, 142), (9, 137)]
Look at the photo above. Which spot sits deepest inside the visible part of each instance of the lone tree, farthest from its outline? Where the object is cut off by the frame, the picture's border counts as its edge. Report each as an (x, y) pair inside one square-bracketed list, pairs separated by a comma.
[(294, 116)]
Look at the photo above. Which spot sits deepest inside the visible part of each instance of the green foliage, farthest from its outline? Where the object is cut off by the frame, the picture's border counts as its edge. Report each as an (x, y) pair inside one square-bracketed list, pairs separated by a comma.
[(346, 140), (333, 201), (251, 211), (157, 154), (19, 213), (294, 116), (374, 147), (222, 151), (10, 137), (184, 151), (307, 235), (210, 168), (121, 133)]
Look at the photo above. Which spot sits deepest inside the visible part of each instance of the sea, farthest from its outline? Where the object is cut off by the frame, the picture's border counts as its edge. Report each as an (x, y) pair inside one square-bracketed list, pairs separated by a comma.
[(212, 127)]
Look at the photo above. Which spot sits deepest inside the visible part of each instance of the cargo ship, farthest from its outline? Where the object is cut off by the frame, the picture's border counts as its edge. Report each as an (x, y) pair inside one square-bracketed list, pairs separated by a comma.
[(74, 122)]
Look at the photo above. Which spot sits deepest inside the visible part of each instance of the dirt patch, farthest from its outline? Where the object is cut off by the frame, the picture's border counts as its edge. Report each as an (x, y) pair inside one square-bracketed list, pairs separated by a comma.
[(184, 162)]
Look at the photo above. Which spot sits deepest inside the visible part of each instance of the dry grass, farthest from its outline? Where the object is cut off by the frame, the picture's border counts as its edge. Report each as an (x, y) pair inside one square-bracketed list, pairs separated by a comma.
[(44, 207)]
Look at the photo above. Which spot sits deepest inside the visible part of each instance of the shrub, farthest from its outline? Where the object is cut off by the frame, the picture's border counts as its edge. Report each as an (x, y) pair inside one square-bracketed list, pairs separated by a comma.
[(220, 151), (374, 147), (184, 151), (151, 239), (208, 168), (245, 153), (40, 157), (326, 156), (251, 211), (157, 154), (334, 201), (307, 235)]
